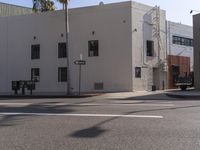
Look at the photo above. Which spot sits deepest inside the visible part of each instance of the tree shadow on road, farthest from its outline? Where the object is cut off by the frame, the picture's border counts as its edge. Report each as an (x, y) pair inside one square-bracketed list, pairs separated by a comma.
[(96, 130), (14, 119), (40, 108)]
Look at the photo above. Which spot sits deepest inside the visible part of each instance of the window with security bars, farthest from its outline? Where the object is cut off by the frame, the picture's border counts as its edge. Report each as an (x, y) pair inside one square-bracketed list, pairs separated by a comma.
[(182, 41), (150, 48), (35, 74), (62, 74), (35, 51), (62, 51), (93, 48)]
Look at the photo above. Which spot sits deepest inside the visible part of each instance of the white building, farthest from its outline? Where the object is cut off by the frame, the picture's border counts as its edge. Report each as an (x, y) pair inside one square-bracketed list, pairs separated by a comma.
[(124, 45), (180, 41)]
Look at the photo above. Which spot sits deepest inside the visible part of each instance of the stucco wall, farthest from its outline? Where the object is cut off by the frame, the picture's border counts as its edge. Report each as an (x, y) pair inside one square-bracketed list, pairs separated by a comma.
[(143, 29), (112, 27)]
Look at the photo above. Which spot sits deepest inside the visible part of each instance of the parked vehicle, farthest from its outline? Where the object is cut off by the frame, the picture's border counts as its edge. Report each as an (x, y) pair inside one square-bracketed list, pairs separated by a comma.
[(184, 82)]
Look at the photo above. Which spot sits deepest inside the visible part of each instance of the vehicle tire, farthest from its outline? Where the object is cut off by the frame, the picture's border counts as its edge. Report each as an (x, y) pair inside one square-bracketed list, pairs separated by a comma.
[(183, 88)]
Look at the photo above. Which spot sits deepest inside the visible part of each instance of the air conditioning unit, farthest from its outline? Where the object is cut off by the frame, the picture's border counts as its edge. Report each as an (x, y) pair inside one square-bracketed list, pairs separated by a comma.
[(98, 86)]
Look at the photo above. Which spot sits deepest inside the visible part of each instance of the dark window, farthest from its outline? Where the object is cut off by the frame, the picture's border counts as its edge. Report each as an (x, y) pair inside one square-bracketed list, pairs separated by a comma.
[(138, 72), (35, 74), (62, 74), (62, 52), (182, 41), (93, 48), (150, 48), (35, 52)]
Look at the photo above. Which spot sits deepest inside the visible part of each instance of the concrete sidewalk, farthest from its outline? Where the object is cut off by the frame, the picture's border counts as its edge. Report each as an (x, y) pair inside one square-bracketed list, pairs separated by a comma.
[(139, 95)]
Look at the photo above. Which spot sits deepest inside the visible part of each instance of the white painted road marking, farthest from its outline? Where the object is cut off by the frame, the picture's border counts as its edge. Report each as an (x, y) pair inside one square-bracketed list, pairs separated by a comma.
[(89, 104), (120, 104), (84, 115), (15, 104)]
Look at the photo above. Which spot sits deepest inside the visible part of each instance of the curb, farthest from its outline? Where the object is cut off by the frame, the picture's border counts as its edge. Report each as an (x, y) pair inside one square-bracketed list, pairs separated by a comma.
[(185, 96), (44, 96)]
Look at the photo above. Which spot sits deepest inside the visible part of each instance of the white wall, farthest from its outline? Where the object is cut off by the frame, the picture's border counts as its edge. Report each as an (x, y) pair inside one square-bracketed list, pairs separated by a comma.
[(178, 29), (112, 26), (142, 21), (121, 48), (18, 33)]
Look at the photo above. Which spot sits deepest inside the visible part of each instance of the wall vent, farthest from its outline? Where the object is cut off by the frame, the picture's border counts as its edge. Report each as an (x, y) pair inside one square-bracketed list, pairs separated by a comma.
[(98, 86)]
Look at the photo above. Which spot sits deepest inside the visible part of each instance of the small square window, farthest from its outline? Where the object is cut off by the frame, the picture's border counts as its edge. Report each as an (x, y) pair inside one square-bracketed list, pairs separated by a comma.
[(62, 74), (35, 74), (35, 51), (93, 48), (138, 72), (150, 48), (62, 51)]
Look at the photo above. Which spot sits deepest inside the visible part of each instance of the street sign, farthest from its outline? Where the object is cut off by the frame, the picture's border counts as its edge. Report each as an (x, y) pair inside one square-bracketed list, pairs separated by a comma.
[(80, 62)]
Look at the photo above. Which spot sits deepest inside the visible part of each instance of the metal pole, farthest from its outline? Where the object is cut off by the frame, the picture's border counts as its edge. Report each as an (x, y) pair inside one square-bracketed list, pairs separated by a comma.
[(31, 91), (67, 46), (79, 91)]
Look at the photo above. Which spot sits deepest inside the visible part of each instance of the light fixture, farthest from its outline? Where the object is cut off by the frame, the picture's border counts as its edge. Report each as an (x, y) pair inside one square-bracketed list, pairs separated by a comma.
[(93, 32), (191, 11)]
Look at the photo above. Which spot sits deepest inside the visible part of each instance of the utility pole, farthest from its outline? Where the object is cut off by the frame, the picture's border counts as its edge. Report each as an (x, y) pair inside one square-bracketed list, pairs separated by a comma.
[(67, 46)]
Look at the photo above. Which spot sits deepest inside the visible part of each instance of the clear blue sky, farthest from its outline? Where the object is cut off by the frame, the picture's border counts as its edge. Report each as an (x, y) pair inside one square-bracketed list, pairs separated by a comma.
[(177, 10)]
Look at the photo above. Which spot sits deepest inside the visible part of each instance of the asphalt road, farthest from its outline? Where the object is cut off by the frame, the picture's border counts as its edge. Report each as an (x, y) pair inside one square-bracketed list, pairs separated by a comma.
[(99, 124)]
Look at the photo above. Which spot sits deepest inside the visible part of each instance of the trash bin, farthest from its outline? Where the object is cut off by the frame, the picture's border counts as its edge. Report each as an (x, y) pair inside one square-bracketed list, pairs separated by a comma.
[(153, 88)]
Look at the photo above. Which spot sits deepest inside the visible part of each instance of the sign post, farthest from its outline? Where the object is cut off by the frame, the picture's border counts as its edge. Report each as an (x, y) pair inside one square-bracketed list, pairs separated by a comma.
[(80, 63)]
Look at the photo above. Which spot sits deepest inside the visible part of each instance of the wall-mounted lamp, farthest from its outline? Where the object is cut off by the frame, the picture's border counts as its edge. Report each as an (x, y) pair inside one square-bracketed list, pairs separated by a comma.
[(93, 32), (62, 35), (191, 11), (34, 37), (135, 30)]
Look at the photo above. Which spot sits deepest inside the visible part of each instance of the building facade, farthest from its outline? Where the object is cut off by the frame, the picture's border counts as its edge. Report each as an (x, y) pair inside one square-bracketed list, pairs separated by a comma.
[(124, 45), (196, 26), (180, 50), (12, 10)]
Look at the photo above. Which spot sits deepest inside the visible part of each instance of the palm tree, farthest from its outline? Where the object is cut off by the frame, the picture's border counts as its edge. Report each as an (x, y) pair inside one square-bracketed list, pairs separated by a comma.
[(65, 7)]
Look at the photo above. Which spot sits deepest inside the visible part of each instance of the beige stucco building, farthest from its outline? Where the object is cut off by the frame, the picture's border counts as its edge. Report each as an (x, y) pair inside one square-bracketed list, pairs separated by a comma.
[(124, 45)]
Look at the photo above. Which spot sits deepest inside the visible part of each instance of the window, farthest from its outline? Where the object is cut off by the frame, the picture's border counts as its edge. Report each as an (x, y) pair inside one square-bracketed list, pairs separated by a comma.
[(138, 72), (62, 51), (182, 41), (62, 74), (93, 48), (35, 74), (35, 52), (150, 48)]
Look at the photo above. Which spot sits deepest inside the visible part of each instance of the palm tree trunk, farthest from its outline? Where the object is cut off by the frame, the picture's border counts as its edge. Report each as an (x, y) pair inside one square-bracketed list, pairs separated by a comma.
[(67, 47)]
